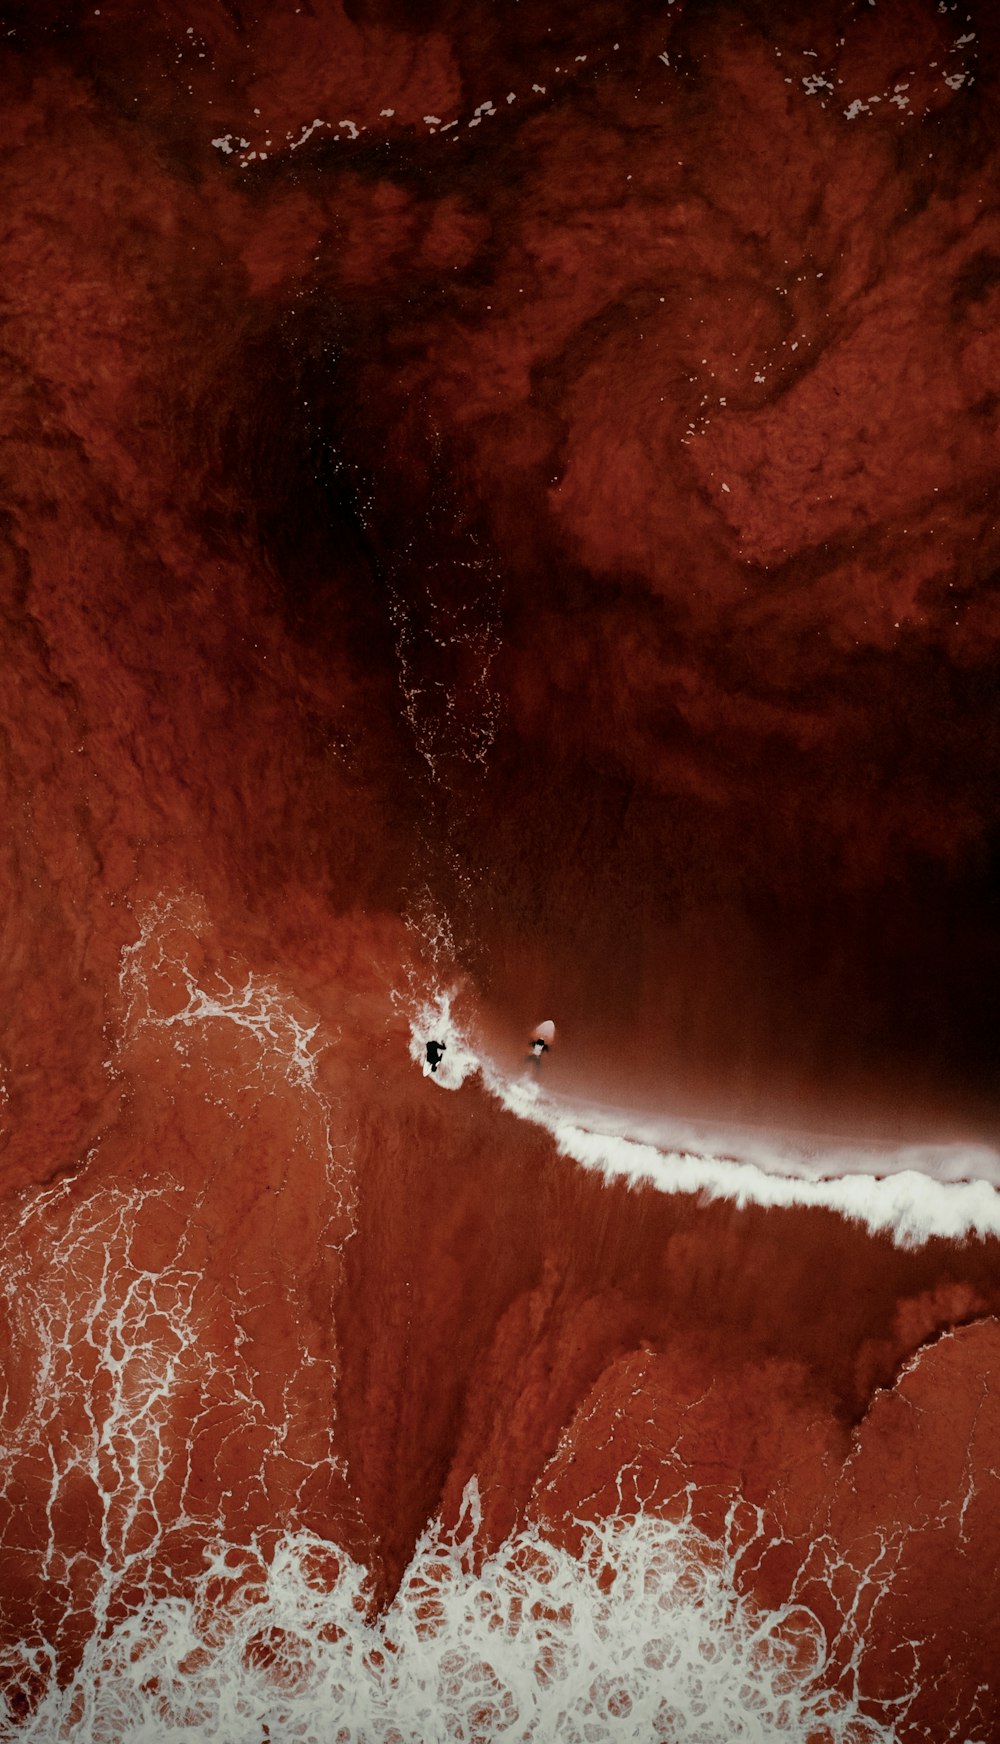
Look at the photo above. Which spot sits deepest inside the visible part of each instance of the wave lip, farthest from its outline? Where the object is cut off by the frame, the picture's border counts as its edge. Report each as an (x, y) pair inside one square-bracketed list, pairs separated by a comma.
[(912, 1192)]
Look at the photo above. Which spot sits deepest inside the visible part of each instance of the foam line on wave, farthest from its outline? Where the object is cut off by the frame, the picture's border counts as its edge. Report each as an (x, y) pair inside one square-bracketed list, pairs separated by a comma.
[(906, 1203)]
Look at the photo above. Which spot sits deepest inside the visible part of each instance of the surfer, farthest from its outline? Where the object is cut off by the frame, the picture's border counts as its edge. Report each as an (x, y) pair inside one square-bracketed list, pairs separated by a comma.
[(434, 1053), (542, 1037)]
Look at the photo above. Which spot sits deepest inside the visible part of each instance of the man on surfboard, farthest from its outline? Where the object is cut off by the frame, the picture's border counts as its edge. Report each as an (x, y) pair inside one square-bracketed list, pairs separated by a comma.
[(542, 1037)]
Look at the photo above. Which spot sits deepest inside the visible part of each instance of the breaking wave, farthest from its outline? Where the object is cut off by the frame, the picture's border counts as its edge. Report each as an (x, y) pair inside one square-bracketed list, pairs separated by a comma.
[(642, 1634), (913, 1192)]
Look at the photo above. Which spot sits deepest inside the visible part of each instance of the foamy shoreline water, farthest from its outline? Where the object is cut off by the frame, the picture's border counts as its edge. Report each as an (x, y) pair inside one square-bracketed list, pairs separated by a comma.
[(912, 1192), (528, 1642)]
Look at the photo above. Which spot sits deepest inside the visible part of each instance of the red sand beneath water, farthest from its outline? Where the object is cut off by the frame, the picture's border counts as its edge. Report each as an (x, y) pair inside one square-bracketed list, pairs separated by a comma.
[(581, 527)]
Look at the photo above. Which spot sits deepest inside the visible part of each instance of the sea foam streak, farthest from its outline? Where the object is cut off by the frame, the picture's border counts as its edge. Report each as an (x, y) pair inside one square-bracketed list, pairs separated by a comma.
[(886, 1190), (642, 1635)]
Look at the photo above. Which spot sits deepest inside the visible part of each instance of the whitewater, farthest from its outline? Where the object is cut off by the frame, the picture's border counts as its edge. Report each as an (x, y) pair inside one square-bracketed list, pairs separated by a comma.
[(643, 1635), (912, 1192), (635, 1627)]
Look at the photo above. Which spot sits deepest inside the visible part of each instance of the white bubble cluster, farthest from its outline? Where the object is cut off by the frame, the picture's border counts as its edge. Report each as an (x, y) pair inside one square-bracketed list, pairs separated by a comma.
[(642, 1635)]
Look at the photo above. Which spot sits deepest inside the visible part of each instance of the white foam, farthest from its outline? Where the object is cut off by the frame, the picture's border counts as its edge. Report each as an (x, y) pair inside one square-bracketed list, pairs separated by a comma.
[(434, 1020), (909, 1206), (282, 1040), (643, 1635), (105, 1348), (912, 1193), (246, 1001)]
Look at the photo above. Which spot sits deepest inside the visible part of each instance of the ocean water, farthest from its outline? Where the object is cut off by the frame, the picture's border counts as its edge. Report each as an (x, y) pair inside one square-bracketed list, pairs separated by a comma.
[(640, 1633), (148, 1432), (912, 1191), (499, 524)]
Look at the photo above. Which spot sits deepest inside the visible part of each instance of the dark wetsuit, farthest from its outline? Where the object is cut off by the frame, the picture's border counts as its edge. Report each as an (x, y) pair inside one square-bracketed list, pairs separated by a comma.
[(434, 1053)]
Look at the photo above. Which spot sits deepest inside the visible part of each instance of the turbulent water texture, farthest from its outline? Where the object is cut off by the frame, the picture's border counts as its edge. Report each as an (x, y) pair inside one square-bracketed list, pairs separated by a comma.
[(499, 528), (641, 1633)]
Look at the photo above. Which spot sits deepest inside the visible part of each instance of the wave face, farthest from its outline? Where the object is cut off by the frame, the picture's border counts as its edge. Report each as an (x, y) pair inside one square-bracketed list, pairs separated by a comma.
[(499, 532), (913, 1191)]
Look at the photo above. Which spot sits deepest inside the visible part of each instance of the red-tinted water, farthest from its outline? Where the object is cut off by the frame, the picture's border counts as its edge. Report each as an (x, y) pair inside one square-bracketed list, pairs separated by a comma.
[(500, 509)]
